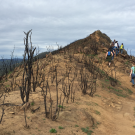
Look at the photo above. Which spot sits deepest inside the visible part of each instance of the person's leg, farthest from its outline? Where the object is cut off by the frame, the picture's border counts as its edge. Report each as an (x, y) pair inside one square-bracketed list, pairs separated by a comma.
[(114, 54), (110, 62), (116, 51), (132, 78), (121, 51)]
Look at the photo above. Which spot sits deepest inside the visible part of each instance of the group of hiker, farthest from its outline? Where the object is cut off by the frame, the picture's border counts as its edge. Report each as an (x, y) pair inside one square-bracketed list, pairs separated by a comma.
[(114, 50)]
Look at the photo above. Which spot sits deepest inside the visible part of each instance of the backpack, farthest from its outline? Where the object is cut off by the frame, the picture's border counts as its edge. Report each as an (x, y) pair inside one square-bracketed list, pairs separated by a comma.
[(109, 53), (133, 70)]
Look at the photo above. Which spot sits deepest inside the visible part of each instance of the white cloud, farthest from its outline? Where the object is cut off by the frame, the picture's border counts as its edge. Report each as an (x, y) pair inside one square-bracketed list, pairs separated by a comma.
[(64, 22)]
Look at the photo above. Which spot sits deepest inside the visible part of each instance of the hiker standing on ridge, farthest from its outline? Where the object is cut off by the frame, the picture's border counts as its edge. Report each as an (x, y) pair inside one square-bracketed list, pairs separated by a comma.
[(108, 56), (121, 48), (132, 73), (114, 41), (116, 48)]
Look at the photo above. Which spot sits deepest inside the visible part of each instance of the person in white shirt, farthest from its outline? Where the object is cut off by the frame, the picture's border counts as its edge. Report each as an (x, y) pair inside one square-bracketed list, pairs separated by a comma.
[(115, 44), (116, 47)]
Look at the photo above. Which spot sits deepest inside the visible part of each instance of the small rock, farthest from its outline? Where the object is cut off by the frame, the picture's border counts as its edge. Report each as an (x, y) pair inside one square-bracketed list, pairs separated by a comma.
[(118, 108), (128, 116), (34, 117), (104, 100), (112, 105), (12, 112), (96, 61), (119, 103), (84, 118)]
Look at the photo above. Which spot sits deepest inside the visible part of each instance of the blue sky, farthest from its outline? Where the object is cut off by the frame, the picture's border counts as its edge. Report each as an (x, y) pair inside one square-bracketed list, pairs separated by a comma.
[(63, 22)]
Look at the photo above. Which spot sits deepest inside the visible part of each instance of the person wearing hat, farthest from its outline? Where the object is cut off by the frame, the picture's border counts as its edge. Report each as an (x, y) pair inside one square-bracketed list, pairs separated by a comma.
[(132, 73)]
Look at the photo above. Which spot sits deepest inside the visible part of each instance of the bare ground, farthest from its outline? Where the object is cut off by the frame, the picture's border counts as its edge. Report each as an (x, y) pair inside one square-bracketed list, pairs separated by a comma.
[(105, 113)]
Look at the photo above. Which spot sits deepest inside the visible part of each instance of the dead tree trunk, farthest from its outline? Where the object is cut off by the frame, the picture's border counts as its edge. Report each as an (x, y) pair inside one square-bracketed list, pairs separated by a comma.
[(27, 69)]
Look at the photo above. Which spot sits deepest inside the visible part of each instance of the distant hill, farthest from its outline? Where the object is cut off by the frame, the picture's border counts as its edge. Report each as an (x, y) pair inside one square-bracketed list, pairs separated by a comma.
[(97, 38), (12, 59), (40, 55), (5, 63)]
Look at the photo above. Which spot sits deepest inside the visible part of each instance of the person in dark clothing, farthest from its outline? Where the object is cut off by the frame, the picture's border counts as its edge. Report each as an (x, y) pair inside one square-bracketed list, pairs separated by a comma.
[(118, 48), (112, 49), (114, 41), (109, 55)]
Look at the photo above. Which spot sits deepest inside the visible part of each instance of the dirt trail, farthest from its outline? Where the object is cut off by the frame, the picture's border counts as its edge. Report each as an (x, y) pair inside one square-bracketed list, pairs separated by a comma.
[(125, 118), (122, 77)]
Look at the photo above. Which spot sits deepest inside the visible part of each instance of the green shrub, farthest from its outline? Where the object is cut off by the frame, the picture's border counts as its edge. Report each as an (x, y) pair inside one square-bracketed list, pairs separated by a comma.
[(32, 103), (53, 130), (86, 130), (97, 95), (129, 91), (60, 106), (97, 112), (61, 127), (7, 86), (121, 95), (106, 80)]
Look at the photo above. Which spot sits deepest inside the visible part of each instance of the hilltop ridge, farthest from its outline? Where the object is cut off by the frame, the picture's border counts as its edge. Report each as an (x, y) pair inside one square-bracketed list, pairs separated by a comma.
[(97, 39)]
